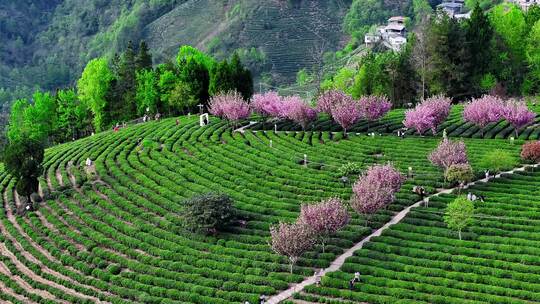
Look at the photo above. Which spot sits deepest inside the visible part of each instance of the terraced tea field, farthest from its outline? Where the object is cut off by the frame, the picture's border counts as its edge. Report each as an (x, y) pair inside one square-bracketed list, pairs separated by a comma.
[(119, 239), (420, 261), (454, 125)]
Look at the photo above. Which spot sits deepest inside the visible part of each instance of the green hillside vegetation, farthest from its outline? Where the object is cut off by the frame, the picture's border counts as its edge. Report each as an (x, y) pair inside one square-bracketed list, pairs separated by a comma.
[(420, 260), (48, 43), (117, 235)]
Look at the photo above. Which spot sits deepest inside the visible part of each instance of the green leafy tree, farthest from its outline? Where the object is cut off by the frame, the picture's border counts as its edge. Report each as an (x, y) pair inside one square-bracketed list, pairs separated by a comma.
[(123, 106), (182, 98), (241, 77), (208, 213), (166, 84), (74, 116), (40, 119), (93, 87), (459, 214), (531, 85), (221, 79), (498, 160), (147, 96), (459, 173), (23, 159), (532, 15), (362, 15), (16, 127), (508, 22), (421, 8), (195, 75), (479, 36), (188, 53), (449, 58)]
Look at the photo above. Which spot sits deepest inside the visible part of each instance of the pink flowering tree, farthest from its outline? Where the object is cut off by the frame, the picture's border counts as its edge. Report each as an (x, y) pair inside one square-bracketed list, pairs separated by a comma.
[(518, 115), (297, 110), (325, 218), (375, 189), (449, 153), (429, 114), (421, 119), (374, 107), (484, 110), (292, 240), (346, 114), (440, 105), (230, 106), (327, 100), (268, 104)]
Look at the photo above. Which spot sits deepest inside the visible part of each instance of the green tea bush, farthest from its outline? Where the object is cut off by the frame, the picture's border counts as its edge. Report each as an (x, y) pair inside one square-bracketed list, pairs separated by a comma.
[(208, 213)]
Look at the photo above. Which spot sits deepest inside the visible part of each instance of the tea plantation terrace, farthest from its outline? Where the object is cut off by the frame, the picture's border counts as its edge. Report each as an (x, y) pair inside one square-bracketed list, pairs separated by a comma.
[(119, 239)]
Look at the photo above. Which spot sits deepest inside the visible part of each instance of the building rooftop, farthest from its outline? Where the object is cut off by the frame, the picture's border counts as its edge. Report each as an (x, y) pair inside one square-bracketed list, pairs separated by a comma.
[(398, 19), (395, 27), (450, 5)]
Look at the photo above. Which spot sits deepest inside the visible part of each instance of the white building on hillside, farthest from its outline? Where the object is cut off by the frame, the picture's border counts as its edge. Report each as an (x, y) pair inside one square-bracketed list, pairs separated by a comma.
[(393, 35), (525, 4), (454, 9)]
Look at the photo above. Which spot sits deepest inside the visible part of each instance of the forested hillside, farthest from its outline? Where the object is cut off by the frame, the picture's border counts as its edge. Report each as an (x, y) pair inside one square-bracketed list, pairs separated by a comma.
[(47, 43)]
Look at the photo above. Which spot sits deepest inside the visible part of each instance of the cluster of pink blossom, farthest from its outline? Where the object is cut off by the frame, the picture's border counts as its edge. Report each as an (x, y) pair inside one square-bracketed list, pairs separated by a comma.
[(449, 153), (319, 220), (297, 110), (484, 110), (267, 104), (292, 240), (329, 99), (429, 114), (376, 188), (490, 108), (346, 113), (374, 107), (325, 218), (518, 115), (293, 107), (230, 106)]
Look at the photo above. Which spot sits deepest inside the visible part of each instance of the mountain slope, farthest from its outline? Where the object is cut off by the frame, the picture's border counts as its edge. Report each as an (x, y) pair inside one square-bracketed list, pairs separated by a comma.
[(273, 36)]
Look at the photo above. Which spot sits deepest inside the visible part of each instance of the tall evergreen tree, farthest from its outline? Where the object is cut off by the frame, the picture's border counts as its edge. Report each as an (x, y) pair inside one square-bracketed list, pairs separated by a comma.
[(143, 60), (241, 77), (449, 59), (479, 35), (221, 80), (123, 107), (196, 79)]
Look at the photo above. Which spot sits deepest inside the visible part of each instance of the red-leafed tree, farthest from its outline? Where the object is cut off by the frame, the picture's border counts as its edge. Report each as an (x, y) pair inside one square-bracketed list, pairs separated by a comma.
[(428, 115), (531, 151), (374, 107), (267, 104), (297, 110)]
